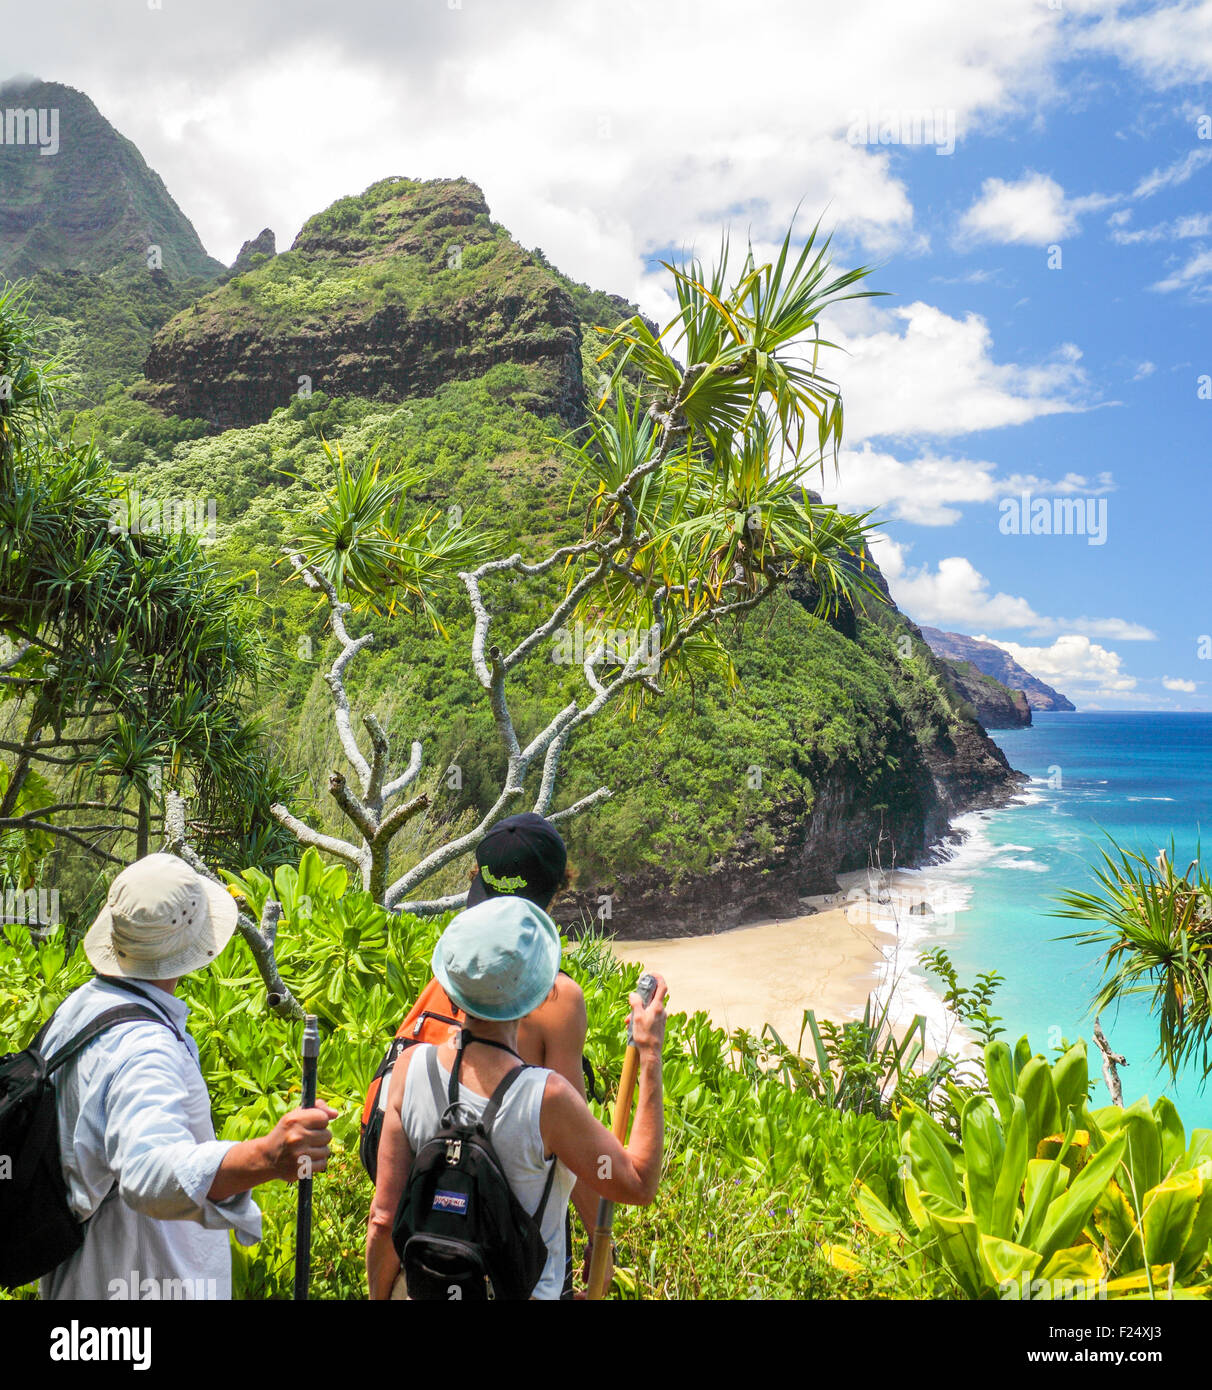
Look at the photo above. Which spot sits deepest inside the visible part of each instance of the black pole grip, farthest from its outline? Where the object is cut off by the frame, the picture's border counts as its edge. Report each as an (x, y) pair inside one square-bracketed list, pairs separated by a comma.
[(311, 1052)]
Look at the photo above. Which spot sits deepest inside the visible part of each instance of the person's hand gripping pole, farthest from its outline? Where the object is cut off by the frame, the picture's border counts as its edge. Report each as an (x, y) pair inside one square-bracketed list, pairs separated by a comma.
[(600, 1262), (311, 1052)]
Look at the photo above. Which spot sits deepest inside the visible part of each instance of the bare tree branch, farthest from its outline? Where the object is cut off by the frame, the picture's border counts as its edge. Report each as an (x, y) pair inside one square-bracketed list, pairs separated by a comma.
[(261, 940), (307, 836), (1111, 1061)]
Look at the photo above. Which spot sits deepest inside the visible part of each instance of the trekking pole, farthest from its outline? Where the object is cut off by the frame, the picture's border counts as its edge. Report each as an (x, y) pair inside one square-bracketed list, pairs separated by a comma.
[(599, 1260), (311, 1052)]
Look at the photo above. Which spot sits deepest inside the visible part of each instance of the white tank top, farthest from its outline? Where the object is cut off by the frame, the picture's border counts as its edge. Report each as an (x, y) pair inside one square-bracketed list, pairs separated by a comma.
[(515, 1137)]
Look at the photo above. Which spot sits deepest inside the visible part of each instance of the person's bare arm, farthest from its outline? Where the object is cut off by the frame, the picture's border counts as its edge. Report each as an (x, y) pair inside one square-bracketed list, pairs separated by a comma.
[(570, 1129), (297, 1147), (394, 1165), (555, 1033)]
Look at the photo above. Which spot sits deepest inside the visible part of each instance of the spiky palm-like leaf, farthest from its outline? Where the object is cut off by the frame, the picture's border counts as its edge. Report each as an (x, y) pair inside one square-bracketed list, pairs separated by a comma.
[(1155, 933)]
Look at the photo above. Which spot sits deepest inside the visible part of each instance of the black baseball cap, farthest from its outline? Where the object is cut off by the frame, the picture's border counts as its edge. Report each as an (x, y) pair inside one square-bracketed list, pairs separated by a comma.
[(525, 847)]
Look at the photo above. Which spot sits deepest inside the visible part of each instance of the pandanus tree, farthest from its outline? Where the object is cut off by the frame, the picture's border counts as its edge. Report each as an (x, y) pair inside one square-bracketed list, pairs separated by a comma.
[(128, 663), (1154, 931), (691, 482)]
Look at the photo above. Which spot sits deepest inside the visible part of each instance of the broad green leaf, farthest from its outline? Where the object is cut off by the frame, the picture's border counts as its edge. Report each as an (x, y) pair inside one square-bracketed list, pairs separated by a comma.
[(875, 1213), (984, 1149), (1001, 1075), (1012, 1175), (1022, 1055), (1067, 1215), (957, 1237), (1199, 1150), (1201, 1229), (1169, 1214), (1142, 1152), (1045, 1181), (1070, 1078), (1079, 1266), (1007, 1263), (930, 1162), (1115, 1223), (1038, 1095), (1173, 1137)]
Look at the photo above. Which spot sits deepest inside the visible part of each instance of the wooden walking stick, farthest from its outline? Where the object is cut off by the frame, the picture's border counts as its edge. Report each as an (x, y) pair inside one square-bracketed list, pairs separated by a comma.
[(311, 1052), (599, 1261)]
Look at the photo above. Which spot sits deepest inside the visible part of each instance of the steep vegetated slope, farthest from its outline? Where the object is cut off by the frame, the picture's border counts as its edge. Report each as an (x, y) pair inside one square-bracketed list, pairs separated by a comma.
[(87, 201), (107, 255), (844, 743)]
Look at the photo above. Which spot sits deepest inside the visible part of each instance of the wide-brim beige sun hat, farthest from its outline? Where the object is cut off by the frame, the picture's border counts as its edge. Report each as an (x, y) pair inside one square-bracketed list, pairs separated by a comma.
[(160, 921)]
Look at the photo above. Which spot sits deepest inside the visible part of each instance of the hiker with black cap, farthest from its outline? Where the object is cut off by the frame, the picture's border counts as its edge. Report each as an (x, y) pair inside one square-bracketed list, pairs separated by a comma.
[(521, 856), (524, 856), (143, 1169), (497, 961)]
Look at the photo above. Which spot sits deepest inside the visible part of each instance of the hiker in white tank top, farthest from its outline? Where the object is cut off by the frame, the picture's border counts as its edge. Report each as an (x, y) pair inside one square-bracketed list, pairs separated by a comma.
[(498, 961), (516, 1139)]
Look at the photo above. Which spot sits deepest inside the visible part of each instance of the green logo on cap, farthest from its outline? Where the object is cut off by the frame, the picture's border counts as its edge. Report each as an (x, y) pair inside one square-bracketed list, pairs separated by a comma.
[(502, 885)]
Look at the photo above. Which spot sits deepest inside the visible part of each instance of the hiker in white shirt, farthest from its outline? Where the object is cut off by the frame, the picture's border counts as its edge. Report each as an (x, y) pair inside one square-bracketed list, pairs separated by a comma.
[(140, 1159)]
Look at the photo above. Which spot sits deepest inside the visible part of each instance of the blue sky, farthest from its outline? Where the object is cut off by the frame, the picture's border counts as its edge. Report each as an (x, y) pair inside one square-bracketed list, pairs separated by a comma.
[(607, 133)]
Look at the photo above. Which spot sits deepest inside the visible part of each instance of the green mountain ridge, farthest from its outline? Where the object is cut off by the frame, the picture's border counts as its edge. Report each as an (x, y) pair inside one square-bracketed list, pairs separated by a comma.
[(93, 205)]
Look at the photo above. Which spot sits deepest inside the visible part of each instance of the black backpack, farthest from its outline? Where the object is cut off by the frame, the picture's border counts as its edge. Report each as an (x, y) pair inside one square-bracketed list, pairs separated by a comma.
[(38, 1229), (459, 1230)]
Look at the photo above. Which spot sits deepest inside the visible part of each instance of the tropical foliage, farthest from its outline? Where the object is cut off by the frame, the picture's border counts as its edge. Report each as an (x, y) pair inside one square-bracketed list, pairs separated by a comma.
[(127, 661), (1041, 1198), (1155, 934)]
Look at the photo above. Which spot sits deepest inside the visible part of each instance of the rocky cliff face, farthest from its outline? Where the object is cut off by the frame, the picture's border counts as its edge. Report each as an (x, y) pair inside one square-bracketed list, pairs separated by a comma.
[(990, 659), (256, 249), (385, 295), (846, 828), (995, 706)]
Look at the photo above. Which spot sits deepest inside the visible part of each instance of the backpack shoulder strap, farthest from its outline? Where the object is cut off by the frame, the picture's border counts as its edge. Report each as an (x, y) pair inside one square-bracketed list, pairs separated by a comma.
[(132, 988), (494, 1101), (435, 1081), (125, 1013), (542, 1207), (490, 1114)]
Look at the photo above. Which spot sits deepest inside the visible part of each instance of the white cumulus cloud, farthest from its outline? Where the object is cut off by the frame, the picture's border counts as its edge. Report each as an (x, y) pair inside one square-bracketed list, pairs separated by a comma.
[(955, 595), (916, 372), (1074, 662), (1034, 211)]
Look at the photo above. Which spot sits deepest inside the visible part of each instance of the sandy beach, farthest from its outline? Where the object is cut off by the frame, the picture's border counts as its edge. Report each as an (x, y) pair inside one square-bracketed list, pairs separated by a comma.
[(851, 945)]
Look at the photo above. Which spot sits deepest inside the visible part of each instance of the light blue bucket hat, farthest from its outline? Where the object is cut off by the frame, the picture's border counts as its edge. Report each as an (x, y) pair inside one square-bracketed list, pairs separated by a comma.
[(499, 959)]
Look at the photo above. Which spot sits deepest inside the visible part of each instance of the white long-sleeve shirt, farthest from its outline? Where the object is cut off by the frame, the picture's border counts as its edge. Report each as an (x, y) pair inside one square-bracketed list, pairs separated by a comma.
[(139, 1155)]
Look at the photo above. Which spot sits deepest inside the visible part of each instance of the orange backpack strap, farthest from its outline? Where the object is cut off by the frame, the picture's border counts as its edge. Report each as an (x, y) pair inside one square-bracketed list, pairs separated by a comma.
[(432, 1019)]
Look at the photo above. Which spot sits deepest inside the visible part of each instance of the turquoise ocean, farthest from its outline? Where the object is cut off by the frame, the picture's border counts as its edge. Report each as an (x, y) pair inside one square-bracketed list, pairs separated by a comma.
[(1145, 778)]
